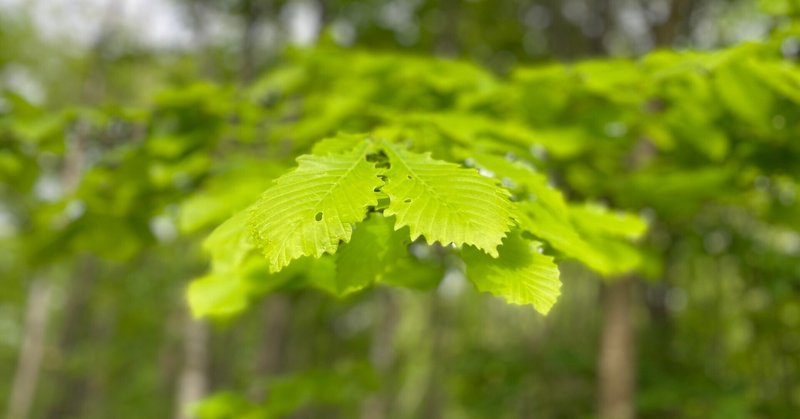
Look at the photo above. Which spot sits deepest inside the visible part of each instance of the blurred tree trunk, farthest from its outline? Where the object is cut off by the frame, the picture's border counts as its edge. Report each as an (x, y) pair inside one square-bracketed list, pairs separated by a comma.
[(100, 381), (76, 315), (193, 379), (26, 378), (198, 22), (447, 40), (170, 352), (617, 357), (667, 31), (601, 16), (277, 310), (431, 406), (382, 354), (271, 360), (325, 15), (253, 13)]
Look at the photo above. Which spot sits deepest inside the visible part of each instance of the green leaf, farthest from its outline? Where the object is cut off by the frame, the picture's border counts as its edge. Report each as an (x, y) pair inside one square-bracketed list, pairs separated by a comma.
[(598, 219), (360, 262), (239, 274), (521, 275), (468, 128), (378, 252), (521, 177), (780, 7), (556, 229), (340, 143), (226, 290), (742, 93), (218, 200), (783, 77), (311, 209), (547, 215), (407, 271), (217, 295), (341, 385), (308, 272), (222, 405), (229, 244), (445, 202)]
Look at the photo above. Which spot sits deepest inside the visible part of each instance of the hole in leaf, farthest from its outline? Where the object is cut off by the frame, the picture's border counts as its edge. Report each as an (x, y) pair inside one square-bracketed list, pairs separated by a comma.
[(318, 217), (407, 201), (380, 159)]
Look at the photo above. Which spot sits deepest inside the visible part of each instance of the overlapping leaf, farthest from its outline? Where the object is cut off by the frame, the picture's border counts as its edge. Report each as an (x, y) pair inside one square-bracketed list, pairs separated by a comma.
[(589, 233), (311, 209), (239, 273), (521, 275), (362, 261), (445, 202)]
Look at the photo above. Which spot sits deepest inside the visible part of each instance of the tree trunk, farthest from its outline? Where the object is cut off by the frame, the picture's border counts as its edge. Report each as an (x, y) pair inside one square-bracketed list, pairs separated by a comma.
[(193, 379), (198, 22), (271, 358), (77, 313), (26, 378), (617, 358), (447, 38), (667, 31), (253, 13), (601, 13), (431, 406), (382, 354)]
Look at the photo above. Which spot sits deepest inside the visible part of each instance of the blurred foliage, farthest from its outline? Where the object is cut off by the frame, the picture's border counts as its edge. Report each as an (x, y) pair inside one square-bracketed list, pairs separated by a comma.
[(124, 172)]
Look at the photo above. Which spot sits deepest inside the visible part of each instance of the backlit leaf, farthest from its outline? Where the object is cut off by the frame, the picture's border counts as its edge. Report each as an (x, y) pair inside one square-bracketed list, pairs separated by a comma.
[(445, 202), (311, 209), (521, 275)]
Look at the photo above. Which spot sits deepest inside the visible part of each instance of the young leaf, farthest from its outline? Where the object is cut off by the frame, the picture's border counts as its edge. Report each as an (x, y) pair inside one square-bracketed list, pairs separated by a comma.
[(378, 252), (596, 218), (238, 272), (444, 202), (360, 262), (408, 272), (521, 275), (557, 230), (229, 244), (309, 210), (217, 295), (340, 143), (546, 213)]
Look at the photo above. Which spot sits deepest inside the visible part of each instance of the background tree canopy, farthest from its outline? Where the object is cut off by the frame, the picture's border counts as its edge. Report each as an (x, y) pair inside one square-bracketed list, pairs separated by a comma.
[(399, 209)]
